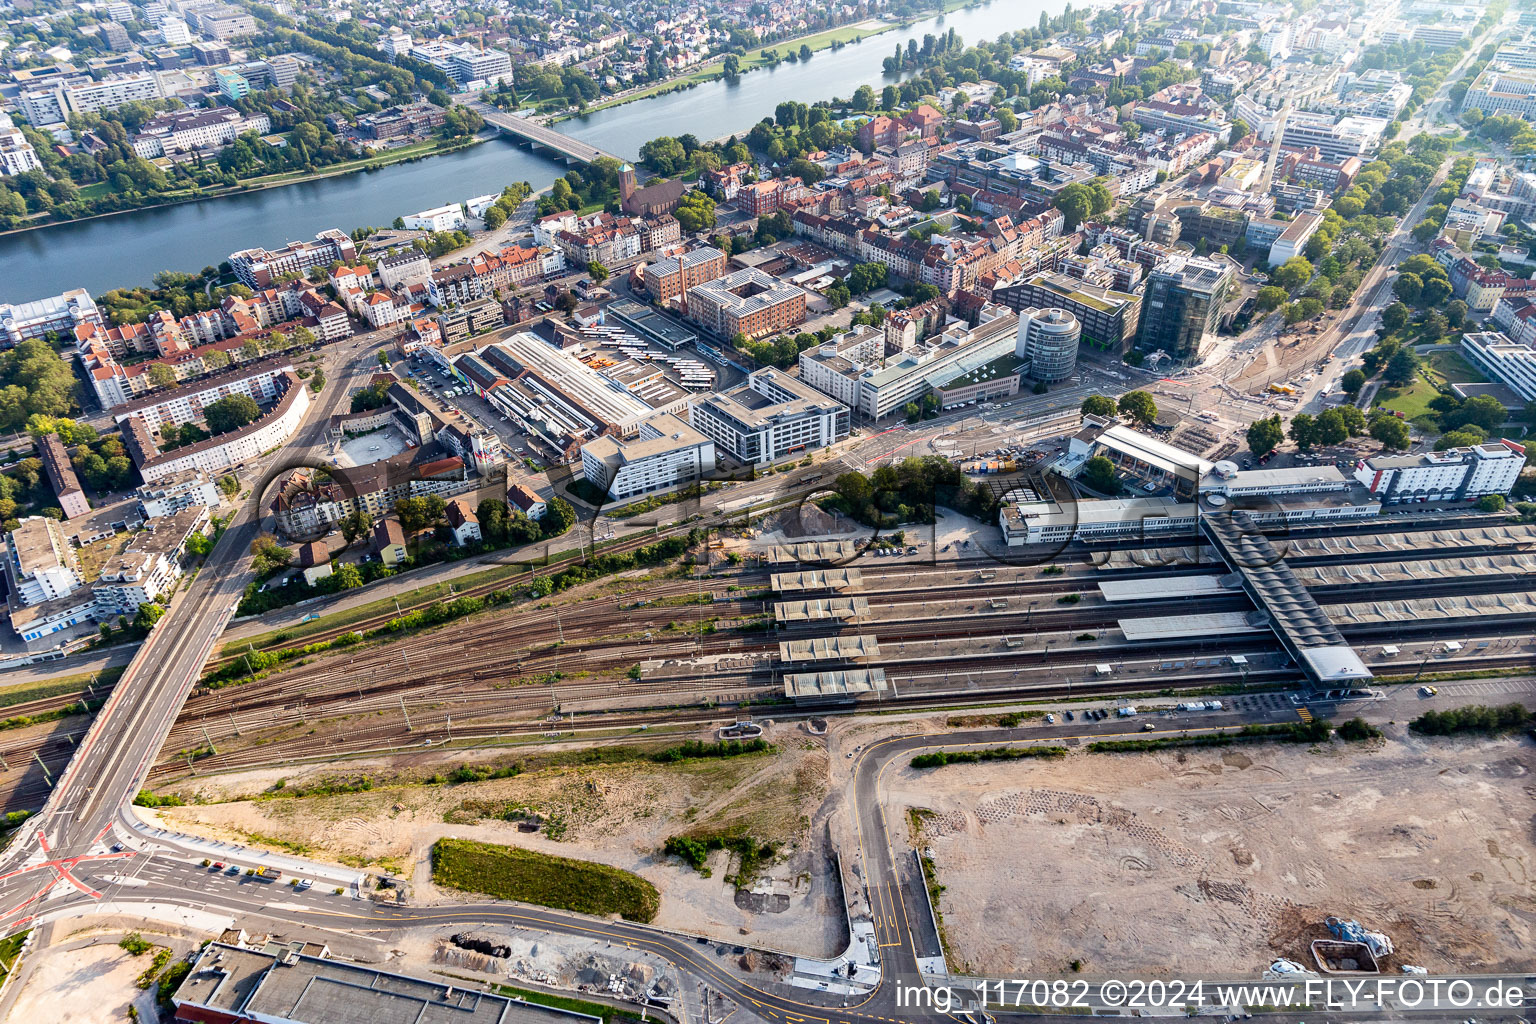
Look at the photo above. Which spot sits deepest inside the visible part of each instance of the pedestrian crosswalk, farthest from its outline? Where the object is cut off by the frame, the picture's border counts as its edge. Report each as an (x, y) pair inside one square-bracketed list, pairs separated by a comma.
[(1304, 714)]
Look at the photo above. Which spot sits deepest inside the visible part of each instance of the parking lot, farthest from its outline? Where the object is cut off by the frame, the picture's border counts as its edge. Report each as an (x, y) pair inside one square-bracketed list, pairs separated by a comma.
[(458, 395)]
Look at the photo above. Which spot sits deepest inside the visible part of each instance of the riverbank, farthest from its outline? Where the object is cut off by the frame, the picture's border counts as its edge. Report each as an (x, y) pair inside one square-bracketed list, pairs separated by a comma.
[(405, 154), (843, 35)]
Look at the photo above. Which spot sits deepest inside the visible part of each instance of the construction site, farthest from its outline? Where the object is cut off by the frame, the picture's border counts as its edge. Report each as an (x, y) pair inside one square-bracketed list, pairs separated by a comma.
[(1217, 863)]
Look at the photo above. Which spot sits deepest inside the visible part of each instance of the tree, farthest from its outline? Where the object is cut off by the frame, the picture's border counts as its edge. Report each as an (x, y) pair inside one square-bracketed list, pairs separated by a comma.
[(417, 514), (1483, 411), (1303, 431), (1265, 435), (913, 411), (216, 359), (1239, 130), (865, 277), (356, 524), (347, 577), (1354, 420), (863, 98), (1269, 297), (837, 295), (493, 514), (598, 272), (1139, 406), (1491, 503), (1395, 317), (269, 555), (695, 212), (1352, 381), (558, 517), (1330, 427), (1463, 438), (1401, 368), (1390, 431), (1408, 287), (1294, 273), (230, 413), (161, 375), (1099, 474), (148, 614), (1098, 405)]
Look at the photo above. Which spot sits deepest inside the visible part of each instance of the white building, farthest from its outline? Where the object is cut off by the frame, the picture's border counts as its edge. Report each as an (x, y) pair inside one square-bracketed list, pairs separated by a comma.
[(54, 103), (1293, 240), (1454, 474), (769, 416), (664, 455), (886, 383), (59, 314), (1506, 361), (171, 494), (191, 130), (488, 66), (175, 32), (440, 218), (408, 267), (42, 563), (16, 154), (150, 566), (1337, 138)]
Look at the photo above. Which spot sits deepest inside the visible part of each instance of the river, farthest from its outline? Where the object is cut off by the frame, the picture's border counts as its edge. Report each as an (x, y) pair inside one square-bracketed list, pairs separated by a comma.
[(127, 249)]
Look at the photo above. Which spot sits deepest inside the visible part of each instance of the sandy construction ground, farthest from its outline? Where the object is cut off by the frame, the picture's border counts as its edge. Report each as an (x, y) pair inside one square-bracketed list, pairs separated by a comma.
[(618, 814), (88, 982), (1179, 863)]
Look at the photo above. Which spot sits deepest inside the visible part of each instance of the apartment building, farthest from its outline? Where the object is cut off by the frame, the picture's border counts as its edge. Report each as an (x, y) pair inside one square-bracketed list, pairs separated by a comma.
[(748, 302), (47, 592), (670, 278), (42, 563), (664, 455), (62, 476), (149, 567), (218, 454), (260, 268), (260, 380), (488, 66), (171, 494), (57, 314), (767, 417), (466, 321)]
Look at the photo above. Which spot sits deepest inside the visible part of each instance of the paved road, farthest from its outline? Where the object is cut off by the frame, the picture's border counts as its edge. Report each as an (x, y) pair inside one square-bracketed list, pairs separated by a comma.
[(113, 757), (164, 873)]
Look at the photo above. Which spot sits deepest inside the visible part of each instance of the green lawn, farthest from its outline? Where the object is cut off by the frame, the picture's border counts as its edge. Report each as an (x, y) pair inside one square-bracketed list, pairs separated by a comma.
[(1454, 368), (607, 1013), (1411, 401), (509, 873)]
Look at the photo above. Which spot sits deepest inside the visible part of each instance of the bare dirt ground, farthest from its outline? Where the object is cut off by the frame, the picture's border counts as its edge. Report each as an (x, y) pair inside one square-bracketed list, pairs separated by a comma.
[(1180, 862), (619, 814), (88, 981)]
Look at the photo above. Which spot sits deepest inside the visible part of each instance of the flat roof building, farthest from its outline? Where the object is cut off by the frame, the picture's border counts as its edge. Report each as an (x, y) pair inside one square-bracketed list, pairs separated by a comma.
[(665, 454), (230, 983), (769, 416), (748, 302)]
